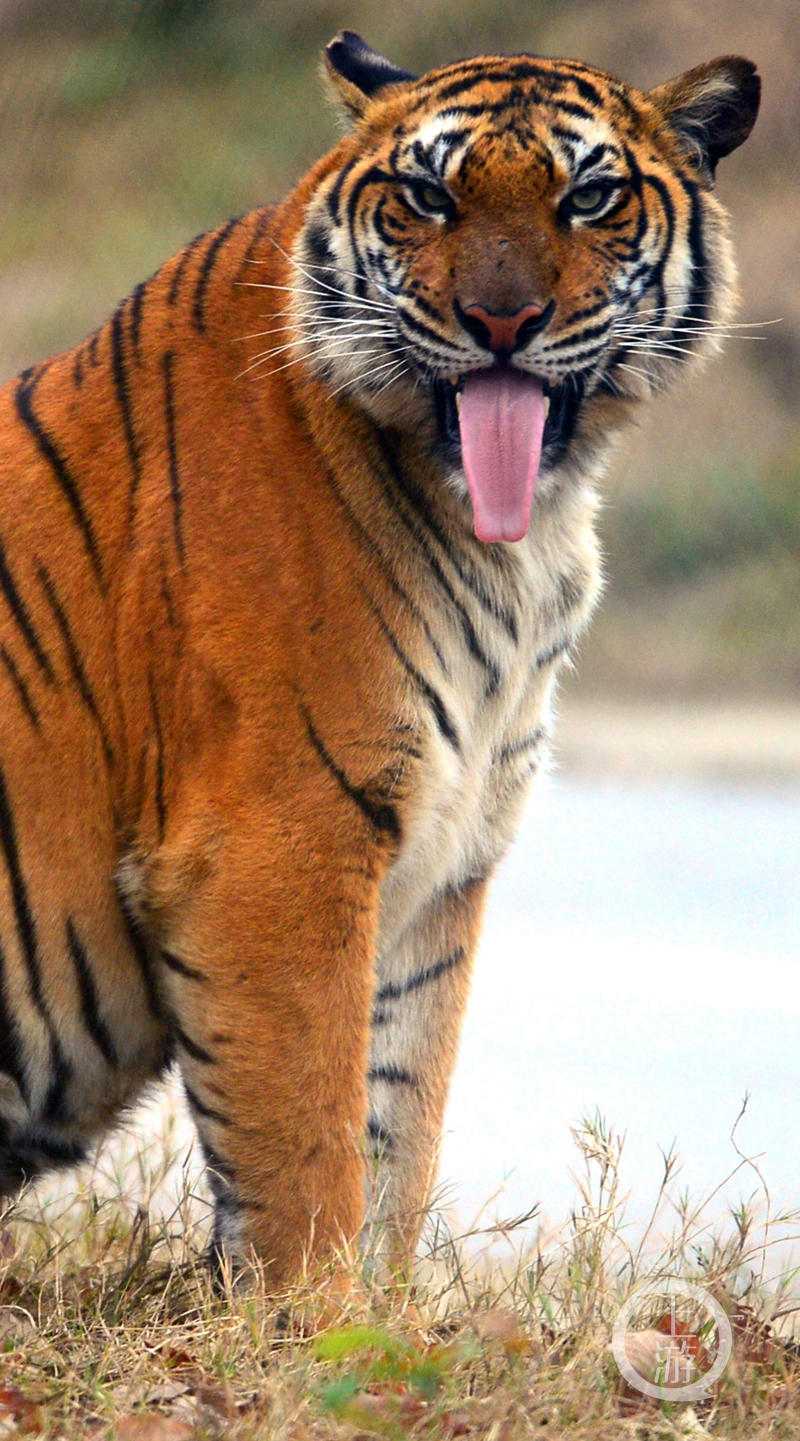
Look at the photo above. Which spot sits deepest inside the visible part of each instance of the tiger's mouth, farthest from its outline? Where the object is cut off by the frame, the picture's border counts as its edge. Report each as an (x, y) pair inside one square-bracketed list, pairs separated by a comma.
[(505, 426)]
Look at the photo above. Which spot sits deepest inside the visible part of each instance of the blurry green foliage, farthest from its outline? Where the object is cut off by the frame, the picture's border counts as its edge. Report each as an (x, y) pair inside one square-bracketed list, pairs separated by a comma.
[(674, 534)]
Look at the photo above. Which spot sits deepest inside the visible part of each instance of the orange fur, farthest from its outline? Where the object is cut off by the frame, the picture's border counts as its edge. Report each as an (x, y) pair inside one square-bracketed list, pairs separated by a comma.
[(216, 618)]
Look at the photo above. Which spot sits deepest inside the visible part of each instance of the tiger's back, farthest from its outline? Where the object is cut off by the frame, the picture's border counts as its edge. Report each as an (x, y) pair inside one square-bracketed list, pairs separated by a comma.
[(271, 705)]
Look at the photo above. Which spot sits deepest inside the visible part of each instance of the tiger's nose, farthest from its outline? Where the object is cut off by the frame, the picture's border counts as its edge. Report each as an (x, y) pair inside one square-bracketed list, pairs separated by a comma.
[(504, 333)]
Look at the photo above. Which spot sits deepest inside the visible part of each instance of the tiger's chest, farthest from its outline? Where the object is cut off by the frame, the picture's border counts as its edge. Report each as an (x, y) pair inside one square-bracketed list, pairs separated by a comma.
[(482, 735)]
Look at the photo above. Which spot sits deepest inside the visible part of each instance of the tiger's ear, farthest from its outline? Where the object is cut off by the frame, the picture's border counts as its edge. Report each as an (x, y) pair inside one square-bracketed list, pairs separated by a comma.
[(711, 109), (358, 72)]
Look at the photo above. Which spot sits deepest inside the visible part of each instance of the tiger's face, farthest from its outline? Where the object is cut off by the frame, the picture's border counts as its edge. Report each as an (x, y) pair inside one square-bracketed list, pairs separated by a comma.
[(509, 253)]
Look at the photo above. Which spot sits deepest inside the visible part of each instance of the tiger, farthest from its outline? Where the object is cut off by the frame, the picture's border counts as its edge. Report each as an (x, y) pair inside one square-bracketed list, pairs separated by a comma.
[(292, 552)]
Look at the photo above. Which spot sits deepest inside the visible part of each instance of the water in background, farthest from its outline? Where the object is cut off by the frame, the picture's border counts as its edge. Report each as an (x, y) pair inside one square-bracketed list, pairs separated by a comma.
[(641, 956)]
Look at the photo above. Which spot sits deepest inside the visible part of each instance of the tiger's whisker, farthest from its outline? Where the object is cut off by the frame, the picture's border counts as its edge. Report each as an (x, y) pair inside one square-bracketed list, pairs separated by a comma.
[(347, 355), (303, 290), (336, 267)]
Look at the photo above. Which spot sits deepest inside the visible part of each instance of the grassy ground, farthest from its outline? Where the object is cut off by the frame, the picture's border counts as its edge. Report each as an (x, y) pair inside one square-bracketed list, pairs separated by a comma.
[(111, 1327)]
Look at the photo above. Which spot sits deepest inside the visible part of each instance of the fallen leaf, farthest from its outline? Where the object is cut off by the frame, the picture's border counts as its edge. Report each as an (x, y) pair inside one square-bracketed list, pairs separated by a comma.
[(752, 1338), (167, 1391), (219, 1399), (16, 1406), (502, 1328), (15, 1321), (176, 1360)]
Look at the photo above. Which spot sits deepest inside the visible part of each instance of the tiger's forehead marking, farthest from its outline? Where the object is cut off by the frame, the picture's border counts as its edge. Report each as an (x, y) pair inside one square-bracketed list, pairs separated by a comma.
[(495, 85), (559, 112), (445, 142)]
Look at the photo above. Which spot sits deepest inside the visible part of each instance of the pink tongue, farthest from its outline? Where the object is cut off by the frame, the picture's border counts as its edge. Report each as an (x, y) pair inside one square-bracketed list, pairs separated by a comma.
[(501, 419)]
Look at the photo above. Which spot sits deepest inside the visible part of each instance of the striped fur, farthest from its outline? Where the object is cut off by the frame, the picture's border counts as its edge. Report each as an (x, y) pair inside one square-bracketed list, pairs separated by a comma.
[(270, 710)]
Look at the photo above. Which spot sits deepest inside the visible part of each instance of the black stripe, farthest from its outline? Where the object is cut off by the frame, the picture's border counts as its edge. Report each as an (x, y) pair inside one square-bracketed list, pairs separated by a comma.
[(180, 967), (192, 1048), (26, 930), (55, 1153), (26, 388), (166, 592), (381, 814), (336, 189), (587, 91), (20, 613), (123, 397), (177, 275), (509, 74), (78, 673), (373, 549), (436, 157), (381, 1138), (658, 272), (419, 502), (413, 528), (548, 656), (437, 705), (428, 309), (570, 137), (588, 310), (572, 590), (387, 226), (77, 368), (698, 297), (137, 305), (393, 1075), (10, 1041), (94, 345), (591, 332), (442, 346), (569, 107), (90, 1005), (160, 808), (33, 1150), (460, 889), (141, 951), (395, 991), (22, 689), (207, 1112), (174, 476), (374, 175), (482, 111), (222, 1171), (518, 748), (263, 218), (208, 263)]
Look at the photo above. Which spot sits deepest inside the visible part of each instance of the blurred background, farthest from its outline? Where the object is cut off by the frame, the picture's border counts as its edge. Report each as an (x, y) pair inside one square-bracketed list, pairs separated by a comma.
[(647, 921)]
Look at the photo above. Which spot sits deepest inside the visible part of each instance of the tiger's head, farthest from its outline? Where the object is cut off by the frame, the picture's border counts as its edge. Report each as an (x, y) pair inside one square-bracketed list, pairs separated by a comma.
[(508, 253)]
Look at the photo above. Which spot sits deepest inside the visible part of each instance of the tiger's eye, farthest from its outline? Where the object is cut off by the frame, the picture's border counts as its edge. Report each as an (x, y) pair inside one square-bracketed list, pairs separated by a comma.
[(590, 198), (433, 198)]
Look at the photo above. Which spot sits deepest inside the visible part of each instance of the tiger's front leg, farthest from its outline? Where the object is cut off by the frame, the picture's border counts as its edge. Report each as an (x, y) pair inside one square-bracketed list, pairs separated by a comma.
[(268, 970), (422, 985)]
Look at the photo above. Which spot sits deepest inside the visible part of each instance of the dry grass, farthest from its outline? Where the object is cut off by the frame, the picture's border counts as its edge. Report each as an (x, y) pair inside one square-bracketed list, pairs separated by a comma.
[(111, 1326)]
